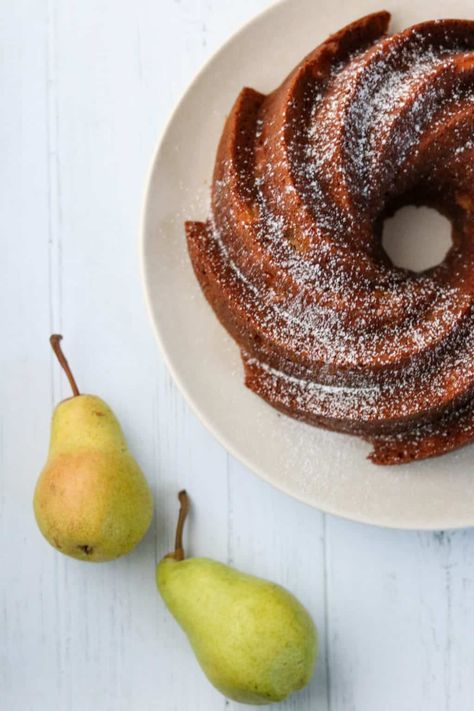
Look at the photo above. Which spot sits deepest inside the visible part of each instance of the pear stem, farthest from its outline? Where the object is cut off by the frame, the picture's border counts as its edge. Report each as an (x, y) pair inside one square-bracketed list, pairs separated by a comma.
[(56, 346), (183, 513)]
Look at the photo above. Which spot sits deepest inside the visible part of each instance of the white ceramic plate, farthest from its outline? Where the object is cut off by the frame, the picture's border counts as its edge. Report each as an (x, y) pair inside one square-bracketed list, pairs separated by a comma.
[(326, 470)]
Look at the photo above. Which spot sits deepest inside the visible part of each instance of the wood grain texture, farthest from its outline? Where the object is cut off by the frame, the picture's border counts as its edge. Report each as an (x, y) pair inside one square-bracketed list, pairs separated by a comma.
[(86, 88)]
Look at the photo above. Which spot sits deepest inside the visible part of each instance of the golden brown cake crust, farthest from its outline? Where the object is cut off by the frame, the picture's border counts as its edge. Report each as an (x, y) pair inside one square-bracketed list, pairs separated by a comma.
[(331, 332)]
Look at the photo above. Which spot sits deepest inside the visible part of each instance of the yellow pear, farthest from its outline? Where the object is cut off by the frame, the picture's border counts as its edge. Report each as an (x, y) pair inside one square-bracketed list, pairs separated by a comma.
[(253, 639), (92, 500)]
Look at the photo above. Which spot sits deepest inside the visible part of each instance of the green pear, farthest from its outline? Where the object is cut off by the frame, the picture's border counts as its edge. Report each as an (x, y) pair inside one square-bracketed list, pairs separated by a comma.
[(92, 500), (253, 639)]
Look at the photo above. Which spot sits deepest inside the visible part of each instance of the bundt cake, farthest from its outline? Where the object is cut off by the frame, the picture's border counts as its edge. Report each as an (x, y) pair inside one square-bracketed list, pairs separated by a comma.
[(291, 257)]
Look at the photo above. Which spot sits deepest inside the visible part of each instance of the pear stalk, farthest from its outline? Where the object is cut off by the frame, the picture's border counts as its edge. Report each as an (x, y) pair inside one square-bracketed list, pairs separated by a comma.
[(183, 514), (55, 340)]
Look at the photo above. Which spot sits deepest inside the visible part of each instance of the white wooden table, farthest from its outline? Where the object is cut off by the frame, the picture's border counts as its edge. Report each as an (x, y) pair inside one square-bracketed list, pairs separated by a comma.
[(86, 87)]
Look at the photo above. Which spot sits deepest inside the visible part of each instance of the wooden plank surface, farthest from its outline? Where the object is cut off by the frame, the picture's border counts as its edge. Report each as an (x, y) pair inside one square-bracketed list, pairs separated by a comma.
[(86, 87)]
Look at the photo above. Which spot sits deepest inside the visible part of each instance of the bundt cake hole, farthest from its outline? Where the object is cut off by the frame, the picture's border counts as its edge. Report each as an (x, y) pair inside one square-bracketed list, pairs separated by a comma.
[(416, 238)]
